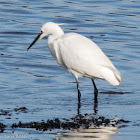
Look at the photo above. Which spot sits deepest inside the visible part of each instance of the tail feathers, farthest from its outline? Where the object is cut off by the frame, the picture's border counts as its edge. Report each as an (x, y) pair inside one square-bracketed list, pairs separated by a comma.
[(111, 75)]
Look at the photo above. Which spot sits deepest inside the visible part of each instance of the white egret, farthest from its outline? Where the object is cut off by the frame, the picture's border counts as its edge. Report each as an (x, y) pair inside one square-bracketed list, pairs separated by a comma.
[(78, 55)]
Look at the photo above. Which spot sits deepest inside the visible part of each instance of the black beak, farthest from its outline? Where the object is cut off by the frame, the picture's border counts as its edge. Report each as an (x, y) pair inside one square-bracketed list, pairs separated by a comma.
[(36, 39)]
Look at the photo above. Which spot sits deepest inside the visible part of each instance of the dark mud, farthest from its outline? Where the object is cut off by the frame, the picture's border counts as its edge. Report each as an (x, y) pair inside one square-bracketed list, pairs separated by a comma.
[(79, 121), (21, 109), (113, 92), (5, 112), (2, 127)]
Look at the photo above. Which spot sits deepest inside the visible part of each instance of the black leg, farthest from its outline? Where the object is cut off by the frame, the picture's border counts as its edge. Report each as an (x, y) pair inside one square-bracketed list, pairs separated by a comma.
[(79, 93), (95, 92), (95, 88), (79, 97)]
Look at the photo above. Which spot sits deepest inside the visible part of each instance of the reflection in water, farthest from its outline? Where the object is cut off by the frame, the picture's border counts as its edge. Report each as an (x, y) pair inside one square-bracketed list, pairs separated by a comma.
[(93, 132), (98, 133), (95, 105), (94, 108), (78, 107), (34, 80)]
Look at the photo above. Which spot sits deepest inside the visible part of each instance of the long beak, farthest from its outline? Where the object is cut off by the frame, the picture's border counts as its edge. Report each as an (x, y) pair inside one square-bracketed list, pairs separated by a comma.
[(36, 39)]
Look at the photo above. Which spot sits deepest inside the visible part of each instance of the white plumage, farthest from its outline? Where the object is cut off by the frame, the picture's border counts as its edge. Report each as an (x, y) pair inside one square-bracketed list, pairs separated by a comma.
[(78, 55)]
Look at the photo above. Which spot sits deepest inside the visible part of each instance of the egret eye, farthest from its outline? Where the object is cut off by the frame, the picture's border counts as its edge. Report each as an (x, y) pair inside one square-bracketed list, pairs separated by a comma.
[(41, 32)]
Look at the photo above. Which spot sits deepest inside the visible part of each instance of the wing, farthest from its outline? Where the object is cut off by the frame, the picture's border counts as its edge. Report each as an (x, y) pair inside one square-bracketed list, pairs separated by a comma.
[(78, 53)]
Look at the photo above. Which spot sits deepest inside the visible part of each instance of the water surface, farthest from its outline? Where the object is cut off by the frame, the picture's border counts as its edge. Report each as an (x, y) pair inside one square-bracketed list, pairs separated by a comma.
[(34, 80)]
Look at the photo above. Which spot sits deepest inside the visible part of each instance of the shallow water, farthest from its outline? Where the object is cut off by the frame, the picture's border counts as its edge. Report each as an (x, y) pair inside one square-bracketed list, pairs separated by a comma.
[(34, 80)]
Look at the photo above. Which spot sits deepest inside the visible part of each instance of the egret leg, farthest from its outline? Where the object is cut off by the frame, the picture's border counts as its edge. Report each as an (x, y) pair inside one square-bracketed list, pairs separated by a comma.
[(95, 92), (79, 93), (79, 97)]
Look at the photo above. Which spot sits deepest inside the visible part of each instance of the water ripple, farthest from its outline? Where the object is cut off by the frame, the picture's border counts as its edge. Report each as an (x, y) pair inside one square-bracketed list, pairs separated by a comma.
[(34, 78)]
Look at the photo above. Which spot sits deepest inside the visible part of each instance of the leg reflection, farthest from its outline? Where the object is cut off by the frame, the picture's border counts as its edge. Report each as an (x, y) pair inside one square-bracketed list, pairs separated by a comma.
[(95, 104), (78, 106)]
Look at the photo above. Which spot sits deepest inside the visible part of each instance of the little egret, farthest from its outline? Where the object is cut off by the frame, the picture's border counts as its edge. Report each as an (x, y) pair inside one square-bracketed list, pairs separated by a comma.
[(78, 55)]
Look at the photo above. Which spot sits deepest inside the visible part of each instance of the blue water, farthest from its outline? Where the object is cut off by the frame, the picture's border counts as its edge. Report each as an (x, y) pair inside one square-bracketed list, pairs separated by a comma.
[(34, 80)]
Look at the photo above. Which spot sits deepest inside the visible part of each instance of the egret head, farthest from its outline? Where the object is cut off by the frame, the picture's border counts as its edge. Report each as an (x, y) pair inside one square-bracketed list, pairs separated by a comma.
[(47, 29)]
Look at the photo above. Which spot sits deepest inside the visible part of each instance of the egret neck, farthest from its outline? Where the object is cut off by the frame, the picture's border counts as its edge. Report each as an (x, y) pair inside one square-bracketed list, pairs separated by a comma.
[(54, 32)]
